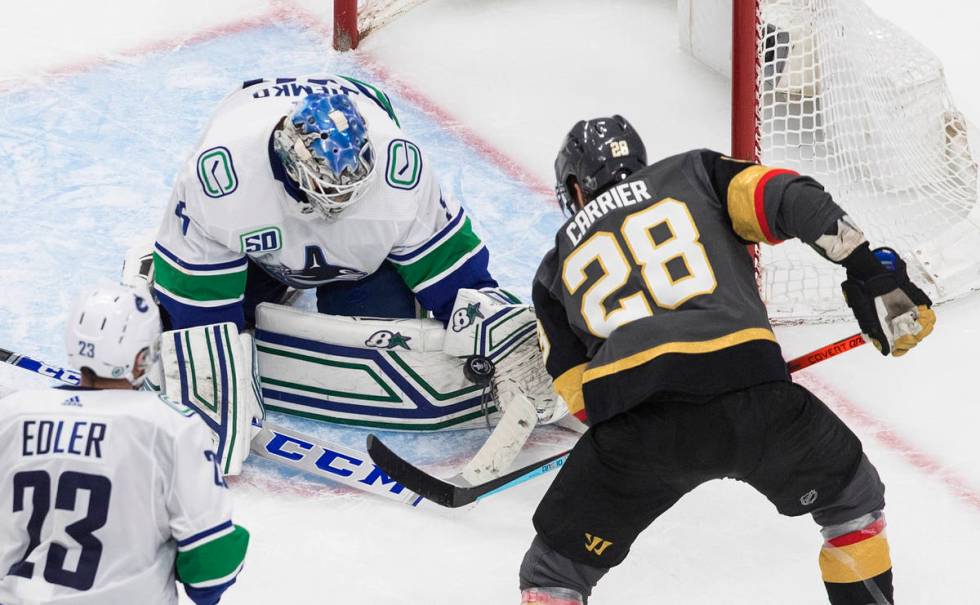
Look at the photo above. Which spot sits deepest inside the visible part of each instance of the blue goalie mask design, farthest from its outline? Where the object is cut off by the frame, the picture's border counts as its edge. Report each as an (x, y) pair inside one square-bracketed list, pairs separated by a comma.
[(325, 150)]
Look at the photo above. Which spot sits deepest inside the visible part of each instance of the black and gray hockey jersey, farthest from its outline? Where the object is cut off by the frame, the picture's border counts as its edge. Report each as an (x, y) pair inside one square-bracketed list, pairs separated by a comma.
[(650, 290)]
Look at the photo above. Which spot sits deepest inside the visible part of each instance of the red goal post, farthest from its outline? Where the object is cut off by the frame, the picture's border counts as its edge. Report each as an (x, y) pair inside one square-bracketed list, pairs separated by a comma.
[(744, 69), (346, 35), (354, 19)]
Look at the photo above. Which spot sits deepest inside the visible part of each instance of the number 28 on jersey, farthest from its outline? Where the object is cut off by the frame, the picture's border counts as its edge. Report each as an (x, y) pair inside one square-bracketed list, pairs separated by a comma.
[(646, 255)]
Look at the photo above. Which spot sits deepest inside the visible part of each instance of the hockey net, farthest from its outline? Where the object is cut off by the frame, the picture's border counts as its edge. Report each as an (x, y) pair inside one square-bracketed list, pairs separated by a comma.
[(838, 93)]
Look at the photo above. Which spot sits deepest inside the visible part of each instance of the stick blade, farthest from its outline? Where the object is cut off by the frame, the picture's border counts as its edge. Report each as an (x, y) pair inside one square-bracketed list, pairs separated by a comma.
[(431, 488)]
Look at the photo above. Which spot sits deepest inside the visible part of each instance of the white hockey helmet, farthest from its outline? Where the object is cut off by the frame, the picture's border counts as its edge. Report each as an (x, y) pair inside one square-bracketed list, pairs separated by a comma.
[(114, 330)]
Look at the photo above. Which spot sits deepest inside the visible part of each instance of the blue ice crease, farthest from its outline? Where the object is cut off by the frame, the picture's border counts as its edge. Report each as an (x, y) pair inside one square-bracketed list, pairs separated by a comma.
[(87, 162)]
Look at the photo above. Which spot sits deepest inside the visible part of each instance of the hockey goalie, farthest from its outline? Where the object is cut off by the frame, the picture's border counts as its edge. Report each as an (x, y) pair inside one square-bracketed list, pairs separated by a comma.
[(310, 183)]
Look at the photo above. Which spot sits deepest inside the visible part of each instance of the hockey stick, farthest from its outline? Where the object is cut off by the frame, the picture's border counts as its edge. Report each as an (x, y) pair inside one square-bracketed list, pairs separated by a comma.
[(331, 461), (452, 495), (39, 367), (328, 460), (449, 494), (825, 352)]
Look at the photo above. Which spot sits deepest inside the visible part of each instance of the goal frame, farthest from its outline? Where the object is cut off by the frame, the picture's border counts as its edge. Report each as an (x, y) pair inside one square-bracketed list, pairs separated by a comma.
[(345, 33), (745, 139)]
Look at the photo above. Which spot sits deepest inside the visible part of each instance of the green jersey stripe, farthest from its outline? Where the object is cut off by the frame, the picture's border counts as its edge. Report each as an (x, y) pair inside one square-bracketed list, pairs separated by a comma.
[(213, 560), (442, 257), (199, 288)]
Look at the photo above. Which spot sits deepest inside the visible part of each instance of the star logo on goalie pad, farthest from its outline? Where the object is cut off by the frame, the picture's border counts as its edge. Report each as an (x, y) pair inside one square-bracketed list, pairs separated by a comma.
[(386, 339), (464, 318)]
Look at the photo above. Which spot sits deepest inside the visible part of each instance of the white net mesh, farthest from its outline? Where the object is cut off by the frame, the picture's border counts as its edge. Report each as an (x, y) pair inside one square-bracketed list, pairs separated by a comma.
[(372, 14), (848, 98)]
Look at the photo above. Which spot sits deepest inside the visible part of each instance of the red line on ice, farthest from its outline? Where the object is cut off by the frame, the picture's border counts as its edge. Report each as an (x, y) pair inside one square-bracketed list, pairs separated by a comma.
[(891, 439), (172, 43)]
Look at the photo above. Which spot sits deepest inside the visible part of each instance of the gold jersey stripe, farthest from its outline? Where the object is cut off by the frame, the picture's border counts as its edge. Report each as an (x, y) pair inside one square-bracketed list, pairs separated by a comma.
[(855, 562), (569, 386), (746, 203), (695, 347)]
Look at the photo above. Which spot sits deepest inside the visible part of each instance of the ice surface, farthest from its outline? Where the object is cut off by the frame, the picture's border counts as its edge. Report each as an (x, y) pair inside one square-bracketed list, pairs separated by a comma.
[(99, 103)]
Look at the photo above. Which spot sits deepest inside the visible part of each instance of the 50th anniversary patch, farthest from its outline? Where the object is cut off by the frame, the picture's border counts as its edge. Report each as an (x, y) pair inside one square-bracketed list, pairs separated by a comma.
[(404, 164), (216, 172)]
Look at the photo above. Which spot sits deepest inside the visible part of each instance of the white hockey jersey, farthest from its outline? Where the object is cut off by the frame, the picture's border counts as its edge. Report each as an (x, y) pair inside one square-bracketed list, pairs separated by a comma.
[(103, 493), (233, 200)]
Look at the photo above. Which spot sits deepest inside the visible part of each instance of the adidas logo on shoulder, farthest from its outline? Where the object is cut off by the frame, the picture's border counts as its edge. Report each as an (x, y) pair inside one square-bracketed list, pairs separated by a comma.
[(73, 401)]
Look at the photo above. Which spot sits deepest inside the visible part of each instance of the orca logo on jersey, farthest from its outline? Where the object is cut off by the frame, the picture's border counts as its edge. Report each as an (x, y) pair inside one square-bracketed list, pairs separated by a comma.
[(216, 172), (404, 168), (316, 271)]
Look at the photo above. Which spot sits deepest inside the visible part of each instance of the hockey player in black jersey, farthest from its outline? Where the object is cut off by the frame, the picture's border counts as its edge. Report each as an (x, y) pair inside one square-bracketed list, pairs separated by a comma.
[(655, 336)]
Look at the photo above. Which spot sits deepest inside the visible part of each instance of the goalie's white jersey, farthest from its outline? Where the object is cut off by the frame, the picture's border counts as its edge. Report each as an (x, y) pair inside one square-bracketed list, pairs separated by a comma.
[(103, 493), (233, 201)]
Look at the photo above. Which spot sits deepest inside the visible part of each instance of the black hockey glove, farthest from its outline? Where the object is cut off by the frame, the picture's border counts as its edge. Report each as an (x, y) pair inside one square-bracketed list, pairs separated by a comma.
[(894, 314)]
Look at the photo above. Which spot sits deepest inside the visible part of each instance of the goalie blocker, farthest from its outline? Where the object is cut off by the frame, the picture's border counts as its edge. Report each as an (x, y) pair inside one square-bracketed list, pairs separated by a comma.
[(210, 369)]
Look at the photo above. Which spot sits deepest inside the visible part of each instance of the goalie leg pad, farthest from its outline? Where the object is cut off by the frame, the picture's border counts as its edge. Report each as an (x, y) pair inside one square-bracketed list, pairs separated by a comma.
[(390, 374), (209, 369)]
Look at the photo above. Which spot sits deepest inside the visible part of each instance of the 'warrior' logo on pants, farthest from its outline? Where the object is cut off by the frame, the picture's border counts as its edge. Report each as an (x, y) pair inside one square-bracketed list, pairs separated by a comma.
[(596, 545)]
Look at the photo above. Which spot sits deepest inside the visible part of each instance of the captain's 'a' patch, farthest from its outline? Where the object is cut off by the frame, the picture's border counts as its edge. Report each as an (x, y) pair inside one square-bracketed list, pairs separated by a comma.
[(404, 167)]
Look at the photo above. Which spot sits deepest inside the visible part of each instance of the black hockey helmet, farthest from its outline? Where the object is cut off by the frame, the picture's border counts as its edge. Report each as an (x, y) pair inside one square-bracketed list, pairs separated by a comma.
[(598, 153)]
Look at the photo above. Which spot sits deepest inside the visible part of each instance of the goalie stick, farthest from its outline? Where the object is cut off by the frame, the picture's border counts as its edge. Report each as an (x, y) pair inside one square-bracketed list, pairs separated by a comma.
[(332, 461), (452, 495)]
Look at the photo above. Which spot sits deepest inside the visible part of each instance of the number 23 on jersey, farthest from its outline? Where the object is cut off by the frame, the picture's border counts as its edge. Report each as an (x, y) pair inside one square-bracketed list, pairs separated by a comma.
[(651, 258)]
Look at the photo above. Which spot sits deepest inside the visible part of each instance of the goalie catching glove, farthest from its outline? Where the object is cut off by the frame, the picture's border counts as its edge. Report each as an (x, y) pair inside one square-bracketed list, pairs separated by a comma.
[(487, 324), (894, 314)]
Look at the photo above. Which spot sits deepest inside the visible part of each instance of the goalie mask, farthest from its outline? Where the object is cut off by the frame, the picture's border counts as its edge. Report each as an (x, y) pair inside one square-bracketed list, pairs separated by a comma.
[(324, 147), (597, 154), (114, 331)]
